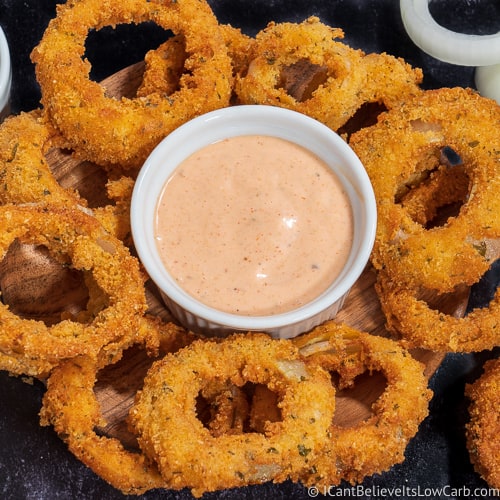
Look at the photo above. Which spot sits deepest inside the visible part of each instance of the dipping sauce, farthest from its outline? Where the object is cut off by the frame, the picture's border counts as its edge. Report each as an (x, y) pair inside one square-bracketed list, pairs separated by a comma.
[(254, 225)]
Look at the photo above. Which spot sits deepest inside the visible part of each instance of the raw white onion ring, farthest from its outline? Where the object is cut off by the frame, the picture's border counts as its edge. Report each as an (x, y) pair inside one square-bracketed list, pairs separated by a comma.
[(461, 49), (444, 44)]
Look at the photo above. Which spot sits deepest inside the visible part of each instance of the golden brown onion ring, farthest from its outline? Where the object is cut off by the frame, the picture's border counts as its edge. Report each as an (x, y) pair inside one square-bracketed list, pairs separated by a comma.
[(376, 444), (164, 67), (24, 170), (418, 324), (188, 455), (27, 177), (332, 95), (123, 132), (306, 68), (483, 429), (405, 144), (117, 296), (71, 406)]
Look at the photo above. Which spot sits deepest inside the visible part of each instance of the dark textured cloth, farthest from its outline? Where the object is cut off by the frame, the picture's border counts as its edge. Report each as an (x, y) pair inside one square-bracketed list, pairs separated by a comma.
[(34, 462)]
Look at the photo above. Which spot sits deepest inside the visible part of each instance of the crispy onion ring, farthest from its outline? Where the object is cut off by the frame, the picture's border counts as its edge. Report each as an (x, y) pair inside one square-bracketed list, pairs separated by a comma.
[(376, 444), (27, 178), (311, 42), (483, 429), (24, 170), (419, 325), (405, 144), (164, 415), (123, 132), (115, 217), (164, 66), (117, 297), (71, 406), (305, 68)]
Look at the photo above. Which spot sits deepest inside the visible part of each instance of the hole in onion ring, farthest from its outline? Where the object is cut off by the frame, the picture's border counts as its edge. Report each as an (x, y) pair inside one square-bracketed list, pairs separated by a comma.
[(438, 189), (235, 410), (124, 44), (443, 302), (302, 78), (473, 18), (119, 383), (365, 116), (36, 286), (359, 398)]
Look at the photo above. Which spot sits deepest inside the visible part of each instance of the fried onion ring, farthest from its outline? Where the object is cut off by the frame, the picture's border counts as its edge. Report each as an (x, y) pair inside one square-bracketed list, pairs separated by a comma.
[(406, 143), (420, 325), (27, 178), (483, 429), (164, 66), (123, 132), (164, 415), (376, 444), (71, 406), (24, 171), (117, 296), (283, 47), (305, 68)]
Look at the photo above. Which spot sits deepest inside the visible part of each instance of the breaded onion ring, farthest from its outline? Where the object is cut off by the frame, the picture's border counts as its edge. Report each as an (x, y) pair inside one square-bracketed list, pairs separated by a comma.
[(420, 325), (24, 171), (123, 132), (304, 67), (27, 178), (240, 47), (117, 296), (483, 429), (115, 217), (164, 66), (164, 415), (333, 96), (376, 444), (71, 406), (406, 144), (391, 80)]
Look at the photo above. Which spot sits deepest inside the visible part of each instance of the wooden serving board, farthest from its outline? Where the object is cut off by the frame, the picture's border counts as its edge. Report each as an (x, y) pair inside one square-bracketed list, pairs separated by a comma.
[(117, 384)]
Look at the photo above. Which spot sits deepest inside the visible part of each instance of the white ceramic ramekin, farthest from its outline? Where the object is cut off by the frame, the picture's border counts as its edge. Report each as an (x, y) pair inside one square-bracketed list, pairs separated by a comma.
[(252, 120), (5, 76)]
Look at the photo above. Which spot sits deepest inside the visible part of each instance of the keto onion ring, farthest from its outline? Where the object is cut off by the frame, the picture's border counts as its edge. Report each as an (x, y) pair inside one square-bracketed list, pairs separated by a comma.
[(70, 405), (405, 144), (169, 431), (306, 68), (24, 171), (117, 296), (311, 42), (419, 325), (123, 132), (483, 428), (376, 444), (164, 66)]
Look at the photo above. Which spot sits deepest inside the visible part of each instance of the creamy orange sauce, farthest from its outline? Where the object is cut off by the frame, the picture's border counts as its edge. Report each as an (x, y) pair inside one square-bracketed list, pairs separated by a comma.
[(254, 225)]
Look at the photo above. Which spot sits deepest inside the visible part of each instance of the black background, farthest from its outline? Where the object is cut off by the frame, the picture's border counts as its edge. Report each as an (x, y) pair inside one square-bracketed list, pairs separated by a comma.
[(34, 462)]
